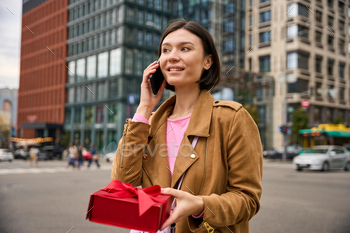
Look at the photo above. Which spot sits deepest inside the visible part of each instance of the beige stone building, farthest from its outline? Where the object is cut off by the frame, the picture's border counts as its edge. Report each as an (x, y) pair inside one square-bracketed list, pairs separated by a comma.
[(305, 46)]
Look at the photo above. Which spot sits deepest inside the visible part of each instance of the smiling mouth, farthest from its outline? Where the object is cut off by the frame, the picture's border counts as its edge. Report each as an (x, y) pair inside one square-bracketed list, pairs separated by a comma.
[(175, 69)]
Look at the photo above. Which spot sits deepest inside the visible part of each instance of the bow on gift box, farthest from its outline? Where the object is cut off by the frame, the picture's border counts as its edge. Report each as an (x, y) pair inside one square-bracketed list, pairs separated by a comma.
[(146, 196)]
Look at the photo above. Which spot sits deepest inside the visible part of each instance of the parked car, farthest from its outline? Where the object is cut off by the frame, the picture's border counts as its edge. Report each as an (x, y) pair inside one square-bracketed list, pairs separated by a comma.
[(269, 154), (6, 155), (45, 153), (323, 158), (292, 151), (57, 151), (21, 154), (109, 157)]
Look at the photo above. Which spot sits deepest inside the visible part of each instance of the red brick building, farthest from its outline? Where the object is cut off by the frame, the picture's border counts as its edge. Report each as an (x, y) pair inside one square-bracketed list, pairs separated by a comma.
[(43, 72)]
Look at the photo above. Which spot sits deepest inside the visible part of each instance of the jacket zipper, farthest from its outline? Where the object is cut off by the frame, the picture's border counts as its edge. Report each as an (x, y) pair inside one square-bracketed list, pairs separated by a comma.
[(209, 228), (122, 149)]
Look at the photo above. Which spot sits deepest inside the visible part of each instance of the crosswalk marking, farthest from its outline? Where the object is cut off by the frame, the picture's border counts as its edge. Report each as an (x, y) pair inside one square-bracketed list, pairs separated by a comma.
[(38, 170)]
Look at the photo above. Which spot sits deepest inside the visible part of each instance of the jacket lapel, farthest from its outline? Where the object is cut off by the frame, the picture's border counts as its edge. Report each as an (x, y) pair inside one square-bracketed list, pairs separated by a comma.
[(198, 126)]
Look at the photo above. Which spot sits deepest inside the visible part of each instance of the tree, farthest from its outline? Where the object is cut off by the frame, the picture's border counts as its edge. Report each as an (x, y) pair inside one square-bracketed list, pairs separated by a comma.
[(300, 120), (339, 120), (253, 111), (65, 139)]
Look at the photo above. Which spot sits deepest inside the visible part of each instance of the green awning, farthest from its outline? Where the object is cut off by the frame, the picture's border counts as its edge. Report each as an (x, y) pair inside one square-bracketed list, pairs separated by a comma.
[(338, 134), (311, 131)]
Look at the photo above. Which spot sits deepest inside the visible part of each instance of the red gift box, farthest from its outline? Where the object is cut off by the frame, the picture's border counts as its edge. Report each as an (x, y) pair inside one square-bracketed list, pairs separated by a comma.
[(122, 205)]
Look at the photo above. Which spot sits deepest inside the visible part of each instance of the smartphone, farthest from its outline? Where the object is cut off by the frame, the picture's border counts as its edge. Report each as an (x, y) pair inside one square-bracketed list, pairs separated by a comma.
[(156, 80)]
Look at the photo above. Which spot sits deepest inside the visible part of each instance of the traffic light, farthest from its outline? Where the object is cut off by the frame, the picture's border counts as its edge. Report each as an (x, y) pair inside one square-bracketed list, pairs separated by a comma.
[(284, 129)]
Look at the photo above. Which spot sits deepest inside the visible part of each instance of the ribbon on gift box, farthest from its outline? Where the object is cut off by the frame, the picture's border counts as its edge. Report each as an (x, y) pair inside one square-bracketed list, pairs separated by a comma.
[(146, 196)]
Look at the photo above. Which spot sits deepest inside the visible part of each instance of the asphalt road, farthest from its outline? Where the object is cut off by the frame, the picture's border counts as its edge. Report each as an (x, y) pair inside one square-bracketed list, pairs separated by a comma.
[(54, 199)]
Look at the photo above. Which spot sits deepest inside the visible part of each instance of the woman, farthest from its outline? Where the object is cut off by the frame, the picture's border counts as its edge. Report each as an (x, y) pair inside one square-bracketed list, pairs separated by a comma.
[(221, 187)]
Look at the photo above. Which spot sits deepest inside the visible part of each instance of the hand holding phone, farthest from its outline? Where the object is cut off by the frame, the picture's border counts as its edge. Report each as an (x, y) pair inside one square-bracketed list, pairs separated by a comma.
[(148, 101), (156, 79)]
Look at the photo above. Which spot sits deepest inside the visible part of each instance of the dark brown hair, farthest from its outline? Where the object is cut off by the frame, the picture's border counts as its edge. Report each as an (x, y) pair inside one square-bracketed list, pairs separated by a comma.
[(210, 77)]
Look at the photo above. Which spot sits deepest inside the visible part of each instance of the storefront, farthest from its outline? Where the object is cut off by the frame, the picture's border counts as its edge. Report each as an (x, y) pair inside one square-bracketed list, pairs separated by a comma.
[(325, 134)]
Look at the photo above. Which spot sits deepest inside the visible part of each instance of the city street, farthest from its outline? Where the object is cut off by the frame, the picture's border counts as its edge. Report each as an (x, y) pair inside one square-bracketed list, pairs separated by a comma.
[(51, 198)]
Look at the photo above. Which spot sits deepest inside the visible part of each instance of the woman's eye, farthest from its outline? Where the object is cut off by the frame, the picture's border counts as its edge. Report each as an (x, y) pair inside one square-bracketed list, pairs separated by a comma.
[(185, 49), (165, 50)]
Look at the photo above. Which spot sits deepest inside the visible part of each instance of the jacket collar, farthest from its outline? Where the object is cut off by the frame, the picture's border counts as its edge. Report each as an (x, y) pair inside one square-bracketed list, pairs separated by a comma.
[(200, 118)]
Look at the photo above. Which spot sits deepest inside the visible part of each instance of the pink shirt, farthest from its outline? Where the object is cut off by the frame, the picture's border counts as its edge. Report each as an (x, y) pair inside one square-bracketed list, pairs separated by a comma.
[(174, 134)]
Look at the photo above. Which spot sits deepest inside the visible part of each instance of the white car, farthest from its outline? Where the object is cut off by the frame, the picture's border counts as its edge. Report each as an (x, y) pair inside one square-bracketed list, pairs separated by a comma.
[(6, 155), (109, 157), (323, 158)]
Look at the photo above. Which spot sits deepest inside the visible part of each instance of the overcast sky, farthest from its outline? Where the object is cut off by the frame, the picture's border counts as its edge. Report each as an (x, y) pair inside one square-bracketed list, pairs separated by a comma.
[(10, 42)]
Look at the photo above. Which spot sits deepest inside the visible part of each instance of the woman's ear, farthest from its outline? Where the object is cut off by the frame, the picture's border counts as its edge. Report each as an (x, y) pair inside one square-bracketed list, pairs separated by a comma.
[(208, 61)]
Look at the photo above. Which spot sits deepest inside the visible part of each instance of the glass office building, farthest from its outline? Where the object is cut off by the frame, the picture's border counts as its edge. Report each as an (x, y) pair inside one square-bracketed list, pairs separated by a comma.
[(225, 20), (110, 43)]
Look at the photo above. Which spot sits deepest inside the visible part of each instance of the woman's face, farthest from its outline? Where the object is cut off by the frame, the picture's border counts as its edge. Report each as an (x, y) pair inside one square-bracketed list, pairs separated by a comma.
[(182, 59)]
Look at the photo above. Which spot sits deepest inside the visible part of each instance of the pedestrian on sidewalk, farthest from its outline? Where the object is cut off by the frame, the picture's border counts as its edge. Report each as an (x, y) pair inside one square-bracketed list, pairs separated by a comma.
[(80, 155), (71, 155), (33, 155), (94, 157)]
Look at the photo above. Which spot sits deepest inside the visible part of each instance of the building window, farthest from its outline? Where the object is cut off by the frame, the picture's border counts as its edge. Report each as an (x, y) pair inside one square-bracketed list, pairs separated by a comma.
[(77, 115), (330, 41), (341, 7), (300, 85), (341, 70), (342, 93), (140, 38), (318, 16), (296, 30), (81, 69), (71, 72), (67, 116), (229, 45), (71, 95), (91, 67), (265, 36), (250, 20), (100, 114), (88, 115), (130, 16), (113, 89), (330, 21), (265, 16), (115, 61), (113, 113), (341, 25), (158, 4), (261, 1), (330, 3), (128, 61), (264, 64), (318, 37), (250, 39), (90, 92), (229, 26), (318, 64), (295, 9), (138, 62), (319, 89), (102, 68), (148, 39), (101, 91), (80, 93), (297, 60), (330, 67)]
